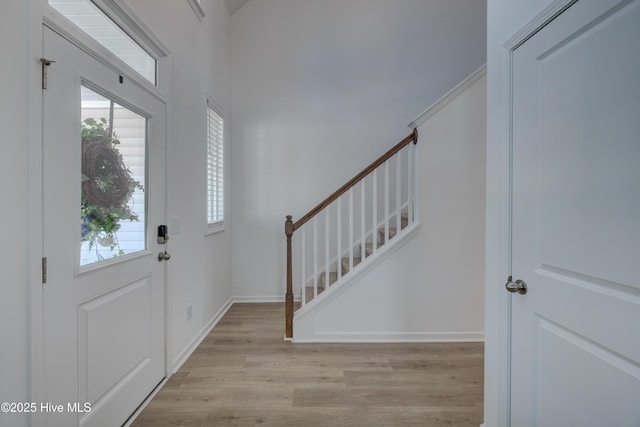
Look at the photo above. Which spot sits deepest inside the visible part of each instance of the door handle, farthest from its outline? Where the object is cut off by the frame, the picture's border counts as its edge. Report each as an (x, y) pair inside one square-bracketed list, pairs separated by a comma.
[(164, 256), (519, 286)]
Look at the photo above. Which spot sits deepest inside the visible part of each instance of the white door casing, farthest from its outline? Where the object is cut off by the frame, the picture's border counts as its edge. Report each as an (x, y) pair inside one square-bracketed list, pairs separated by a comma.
[(104, 326), (575, 335)]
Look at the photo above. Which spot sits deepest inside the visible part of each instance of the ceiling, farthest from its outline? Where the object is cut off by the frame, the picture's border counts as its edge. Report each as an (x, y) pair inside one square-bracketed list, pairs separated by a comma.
[(234, 5)]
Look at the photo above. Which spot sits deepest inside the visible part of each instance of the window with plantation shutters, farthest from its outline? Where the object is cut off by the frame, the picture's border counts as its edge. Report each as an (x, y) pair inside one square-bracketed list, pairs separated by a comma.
[(215, 167)]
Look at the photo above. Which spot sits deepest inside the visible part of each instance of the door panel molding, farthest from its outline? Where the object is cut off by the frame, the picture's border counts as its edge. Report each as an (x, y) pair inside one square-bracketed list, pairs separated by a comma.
[(537, 23)]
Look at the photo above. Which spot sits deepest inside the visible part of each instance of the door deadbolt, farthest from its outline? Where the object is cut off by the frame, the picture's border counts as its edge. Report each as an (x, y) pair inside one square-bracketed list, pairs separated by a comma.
[(163, 234), (519, 286)]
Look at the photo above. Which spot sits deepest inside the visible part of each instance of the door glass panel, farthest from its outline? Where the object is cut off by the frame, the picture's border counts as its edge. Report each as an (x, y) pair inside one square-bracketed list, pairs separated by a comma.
[(112, 209)]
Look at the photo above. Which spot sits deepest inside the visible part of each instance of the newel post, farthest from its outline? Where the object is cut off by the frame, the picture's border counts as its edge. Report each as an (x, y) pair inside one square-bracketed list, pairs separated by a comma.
[(288, 301)]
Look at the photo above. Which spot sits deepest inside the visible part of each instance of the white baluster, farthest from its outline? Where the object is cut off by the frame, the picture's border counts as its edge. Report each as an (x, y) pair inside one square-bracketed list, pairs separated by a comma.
[(398, 193), (303, 266), (339, 240), (315, 257), (351, 229), (374, 221), (386, 202), (326, 248), (410, 183), (363, 216)]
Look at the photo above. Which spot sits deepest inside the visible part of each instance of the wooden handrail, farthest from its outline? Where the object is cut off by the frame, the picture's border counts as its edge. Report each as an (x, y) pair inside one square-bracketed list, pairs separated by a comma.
[(290, 227), (413, 137)]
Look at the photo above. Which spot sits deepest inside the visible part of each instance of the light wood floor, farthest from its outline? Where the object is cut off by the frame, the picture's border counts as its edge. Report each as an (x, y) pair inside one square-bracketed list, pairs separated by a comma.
[(244, 374)]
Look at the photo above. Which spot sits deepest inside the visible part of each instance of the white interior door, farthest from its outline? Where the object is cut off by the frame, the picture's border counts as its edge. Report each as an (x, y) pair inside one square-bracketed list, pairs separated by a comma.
[(575, 335), (104, 196)]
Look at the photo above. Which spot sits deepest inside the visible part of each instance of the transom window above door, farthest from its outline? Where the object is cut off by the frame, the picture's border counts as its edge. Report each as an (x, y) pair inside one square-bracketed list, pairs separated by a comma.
[(99, 26)]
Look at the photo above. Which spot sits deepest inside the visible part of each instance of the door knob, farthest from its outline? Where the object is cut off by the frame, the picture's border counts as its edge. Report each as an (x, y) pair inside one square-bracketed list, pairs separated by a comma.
[(518, 286), (164, 256)]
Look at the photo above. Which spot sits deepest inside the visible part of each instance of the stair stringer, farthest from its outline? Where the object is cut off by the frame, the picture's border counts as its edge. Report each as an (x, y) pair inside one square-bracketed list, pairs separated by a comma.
[(303, 328)]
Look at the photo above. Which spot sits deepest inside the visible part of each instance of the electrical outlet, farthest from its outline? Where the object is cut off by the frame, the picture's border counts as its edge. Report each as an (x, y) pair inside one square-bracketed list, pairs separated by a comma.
[(189, 312)]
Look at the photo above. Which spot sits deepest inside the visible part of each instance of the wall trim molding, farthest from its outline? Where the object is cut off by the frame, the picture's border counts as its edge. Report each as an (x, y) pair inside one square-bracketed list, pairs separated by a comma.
[(197, 340), (197, 9), (393, 337), (449, 96), (536, 24)]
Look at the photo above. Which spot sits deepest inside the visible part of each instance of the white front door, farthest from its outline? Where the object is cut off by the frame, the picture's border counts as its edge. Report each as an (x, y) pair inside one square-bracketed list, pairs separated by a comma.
[(103, 197), (575, 334)]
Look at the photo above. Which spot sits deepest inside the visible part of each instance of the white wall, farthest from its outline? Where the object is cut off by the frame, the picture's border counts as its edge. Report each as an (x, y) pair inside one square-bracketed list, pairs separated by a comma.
[(200, 267), (14, 214), (321, 89), (504, 19), (199, 271), (432, 288)]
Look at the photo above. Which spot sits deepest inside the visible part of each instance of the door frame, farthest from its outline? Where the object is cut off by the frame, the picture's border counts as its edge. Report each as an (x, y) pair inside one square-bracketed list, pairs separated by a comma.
[(497, 371), (42, 15)]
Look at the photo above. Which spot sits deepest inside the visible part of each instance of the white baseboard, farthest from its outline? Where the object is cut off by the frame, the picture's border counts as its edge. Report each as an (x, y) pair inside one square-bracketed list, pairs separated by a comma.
[(392, 337), (263, 298), (195, 342), (259, 298)]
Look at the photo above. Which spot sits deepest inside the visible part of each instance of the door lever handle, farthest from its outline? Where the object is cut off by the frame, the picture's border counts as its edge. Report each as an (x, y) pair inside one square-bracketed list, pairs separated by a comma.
[(519, 286)]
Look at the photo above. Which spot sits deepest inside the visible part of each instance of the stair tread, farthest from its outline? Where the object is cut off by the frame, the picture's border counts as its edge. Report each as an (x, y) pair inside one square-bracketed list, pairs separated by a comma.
[(333, 277), (368, 248), (393, 230), (309, 292), (344, 262)]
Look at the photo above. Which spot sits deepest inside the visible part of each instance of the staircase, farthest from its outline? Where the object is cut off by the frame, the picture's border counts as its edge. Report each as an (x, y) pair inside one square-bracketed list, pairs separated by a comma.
[(351, 228), (357, 259)]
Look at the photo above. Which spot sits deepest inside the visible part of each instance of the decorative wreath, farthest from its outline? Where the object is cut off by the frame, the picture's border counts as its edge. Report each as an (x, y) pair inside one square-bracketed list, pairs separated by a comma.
[(107, 186), (109, 183)]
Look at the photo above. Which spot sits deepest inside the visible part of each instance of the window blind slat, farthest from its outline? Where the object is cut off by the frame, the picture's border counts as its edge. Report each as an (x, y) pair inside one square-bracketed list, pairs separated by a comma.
[(215, 166)]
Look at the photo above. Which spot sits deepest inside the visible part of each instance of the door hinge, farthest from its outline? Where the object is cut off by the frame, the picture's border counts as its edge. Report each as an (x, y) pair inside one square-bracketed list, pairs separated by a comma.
[(44, 270), (45, 63)]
